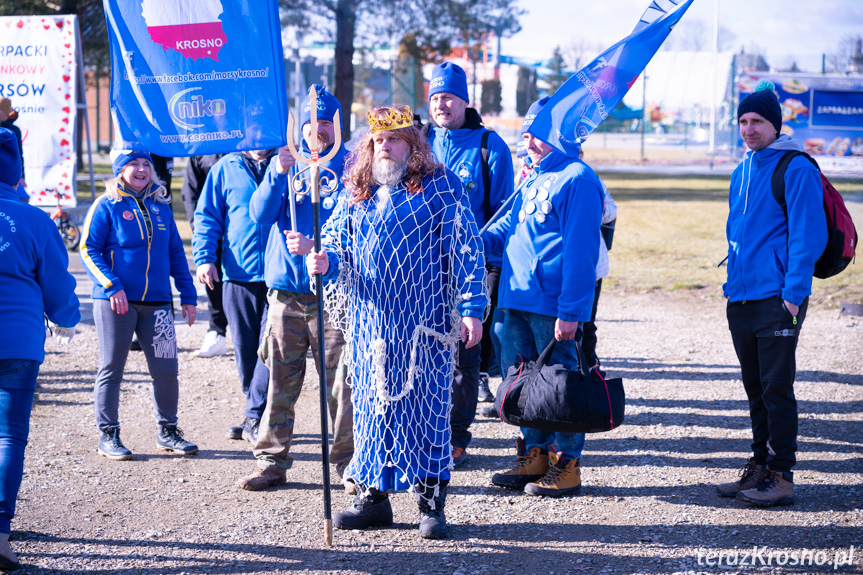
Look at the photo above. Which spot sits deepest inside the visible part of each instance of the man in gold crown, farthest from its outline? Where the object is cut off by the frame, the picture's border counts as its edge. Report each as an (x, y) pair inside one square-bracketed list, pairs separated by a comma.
[(406, 282)]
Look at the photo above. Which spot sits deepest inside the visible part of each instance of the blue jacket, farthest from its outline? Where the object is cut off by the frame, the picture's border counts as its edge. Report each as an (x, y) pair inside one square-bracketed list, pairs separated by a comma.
[(120, 254), (223, 211), (270, 206), (461, 151), (33, 279), (550, 241), (766, 257)]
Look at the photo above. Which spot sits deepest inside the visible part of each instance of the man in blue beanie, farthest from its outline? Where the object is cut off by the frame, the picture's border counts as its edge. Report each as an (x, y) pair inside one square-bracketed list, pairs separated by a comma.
[(482, 161), (291, 320), (772, 250), (550, 247)]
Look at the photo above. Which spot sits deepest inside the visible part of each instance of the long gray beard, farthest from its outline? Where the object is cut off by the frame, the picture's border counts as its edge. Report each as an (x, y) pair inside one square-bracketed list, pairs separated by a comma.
[(389, 173)]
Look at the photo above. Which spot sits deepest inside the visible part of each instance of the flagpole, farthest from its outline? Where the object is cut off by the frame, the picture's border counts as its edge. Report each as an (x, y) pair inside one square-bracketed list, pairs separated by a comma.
[(712, 146)]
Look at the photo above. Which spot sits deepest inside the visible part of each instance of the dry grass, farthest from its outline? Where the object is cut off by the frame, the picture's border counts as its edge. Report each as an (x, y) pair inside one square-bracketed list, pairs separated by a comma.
[(671, 236)]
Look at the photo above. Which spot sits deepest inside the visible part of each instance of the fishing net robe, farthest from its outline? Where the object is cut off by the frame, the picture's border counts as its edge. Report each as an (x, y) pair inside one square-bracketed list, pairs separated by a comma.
[(408, 267)]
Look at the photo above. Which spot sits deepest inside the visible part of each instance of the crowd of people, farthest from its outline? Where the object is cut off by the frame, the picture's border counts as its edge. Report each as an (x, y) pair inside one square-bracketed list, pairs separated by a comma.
[(420, 305)]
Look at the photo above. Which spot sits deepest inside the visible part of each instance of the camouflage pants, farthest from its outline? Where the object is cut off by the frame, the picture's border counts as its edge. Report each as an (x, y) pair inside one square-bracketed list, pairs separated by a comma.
[(292, 328)]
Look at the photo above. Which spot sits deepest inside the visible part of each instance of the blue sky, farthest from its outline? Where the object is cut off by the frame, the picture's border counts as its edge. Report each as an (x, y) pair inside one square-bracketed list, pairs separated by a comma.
[(799, 29)]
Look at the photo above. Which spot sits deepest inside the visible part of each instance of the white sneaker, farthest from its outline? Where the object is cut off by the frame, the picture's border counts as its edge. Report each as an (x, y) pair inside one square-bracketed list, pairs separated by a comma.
[(214, 344)]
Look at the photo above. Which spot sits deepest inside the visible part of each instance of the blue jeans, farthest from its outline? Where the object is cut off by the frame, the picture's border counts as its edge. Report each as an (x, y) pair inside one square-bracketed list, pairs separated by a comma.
[(17, 386), (526, 334)]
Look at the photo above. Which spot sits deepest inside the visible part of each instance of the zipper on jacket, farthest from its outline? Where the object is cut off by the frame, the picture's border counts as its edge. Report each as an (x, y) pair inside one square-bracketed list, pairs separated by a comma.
[(145, 215), (112, 260)]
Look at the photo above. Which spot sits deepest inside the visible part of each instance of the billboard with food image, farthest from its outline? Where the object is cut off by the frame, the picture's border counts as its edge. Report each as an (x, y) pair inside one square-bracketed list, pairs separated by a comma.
[(823, 113)]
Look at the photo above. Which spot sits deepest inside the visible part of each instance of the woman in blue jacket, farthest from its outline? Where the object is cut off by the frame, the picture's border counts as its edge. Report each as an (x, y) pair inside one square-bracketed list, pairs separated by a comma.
[(34, 283), (130, 246)]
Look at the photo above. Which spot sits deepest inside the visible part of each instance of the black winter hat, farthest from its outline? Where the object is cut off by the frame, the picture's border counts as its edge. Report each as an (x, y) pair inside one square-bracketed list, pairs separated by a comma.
[(763, 101)]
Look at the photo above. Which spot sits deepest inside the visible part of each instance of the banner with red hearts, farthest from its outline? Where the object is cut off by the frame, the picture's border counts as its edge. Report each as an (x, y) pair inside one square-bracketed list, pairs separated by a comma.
[(38, 73)]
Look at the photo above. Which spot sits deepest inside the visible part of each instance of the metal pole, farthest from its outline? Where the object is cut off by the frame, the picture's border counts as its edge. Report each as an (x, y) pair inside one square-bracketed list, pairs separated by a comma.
[(322, 365), (712, 147), (643, 110), (83, 105)]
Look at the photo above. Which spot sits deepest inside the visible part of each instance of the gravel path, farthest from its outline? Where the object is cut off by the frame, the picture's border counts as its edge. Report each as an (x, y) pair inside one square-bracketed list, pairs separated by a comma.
[(647, 506)]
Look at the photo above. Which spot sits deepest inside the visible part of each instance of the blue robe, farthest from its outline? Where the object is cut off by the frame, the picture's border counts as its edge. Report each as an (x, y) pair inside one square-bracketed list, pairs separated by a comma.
[(406, 268)]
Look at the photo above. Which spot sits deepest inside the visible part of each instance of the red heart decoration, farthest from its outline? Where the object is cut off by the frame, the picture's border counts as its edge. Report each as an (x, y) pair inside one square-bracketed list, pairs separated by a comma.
[(42, 193), (20, 23), (62, 129), (66, 109), (66, 78), (64, 143), (65, 120), (59, 24), (46, 26), (67, 45), (68, 96)]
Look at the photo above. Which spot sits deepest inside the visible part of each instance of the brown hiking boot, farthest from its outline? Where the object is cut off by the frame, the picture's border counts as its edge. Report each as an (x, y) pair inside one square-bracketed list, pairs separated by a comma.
[(750, 476), (527, 468), (777, 488), (262, 478), (561, 479)]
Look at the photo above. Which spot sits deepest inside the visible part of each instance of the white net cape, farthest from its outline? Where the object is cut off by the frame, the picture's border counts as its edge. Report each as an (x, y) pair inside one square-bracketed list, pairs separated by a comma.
[(406, 264)]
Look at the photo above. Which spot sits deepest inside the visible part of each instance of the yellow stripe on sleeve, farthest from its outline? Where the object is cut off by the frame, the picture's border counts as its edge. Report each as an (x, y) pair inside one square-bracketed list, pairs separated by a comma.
[(85, 254)]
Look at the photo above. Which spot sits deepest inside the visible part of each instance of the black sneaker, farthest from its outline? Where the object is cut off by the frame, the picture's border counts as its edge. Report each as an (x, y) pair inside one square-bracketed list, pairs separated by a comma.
[(170, 439), (111, 447), (485, 395), (135, 345), (250, 430), (370, 509)]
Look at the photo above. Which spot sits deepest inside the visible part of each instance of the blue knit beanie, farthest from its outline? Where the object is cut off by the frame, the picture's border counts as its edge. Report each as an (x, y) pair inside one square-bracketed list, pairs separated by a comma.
[(328, 107), (763, 101), (123, 157), (10, 158), (531, 114), (448, 77)]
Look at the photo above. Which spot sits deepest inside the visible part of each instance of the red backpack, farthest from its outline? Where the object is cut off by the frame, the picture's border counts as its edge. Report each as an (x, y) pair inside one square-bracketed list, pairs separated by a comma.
[(841, 234)]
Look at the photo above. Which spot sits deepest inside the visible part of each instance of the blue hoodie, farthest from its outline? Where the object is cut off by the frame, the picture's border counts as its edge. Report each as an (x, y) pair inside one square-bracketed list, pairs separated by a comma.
[(33, 279), (549, 266), (223, 211), (119, 253), (766, 257), (270, 206), (460, 151)]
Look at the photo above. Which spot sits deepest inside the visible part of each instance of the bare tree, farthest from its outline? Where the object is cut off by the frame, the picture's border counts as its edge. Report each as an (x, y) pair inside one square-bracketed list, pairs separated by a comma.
[(848, 56)]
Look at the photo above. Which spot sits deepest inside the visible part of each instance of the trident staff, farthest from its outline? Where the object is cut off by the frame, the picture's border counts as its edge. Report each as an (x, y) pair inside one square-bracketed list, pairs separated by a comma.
[(311, 179)]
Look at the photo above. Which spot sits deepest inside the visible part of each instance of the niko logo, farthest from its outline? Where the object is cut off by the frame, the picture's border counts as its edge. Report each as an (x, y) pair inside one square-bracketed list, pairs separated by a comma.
[(184, 112)]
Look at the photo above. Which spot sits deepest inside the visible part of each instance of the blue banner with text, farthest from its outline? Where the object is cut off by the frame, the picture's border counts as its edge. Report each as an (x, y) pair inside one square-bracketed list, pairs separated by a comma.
[(196, 77)]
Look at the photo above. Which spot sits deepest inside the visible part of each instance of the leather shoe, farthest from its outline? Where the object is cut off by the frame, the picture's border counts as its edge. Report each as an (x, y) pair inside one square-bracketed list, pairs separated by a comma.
[(234, 432), (262, 478)]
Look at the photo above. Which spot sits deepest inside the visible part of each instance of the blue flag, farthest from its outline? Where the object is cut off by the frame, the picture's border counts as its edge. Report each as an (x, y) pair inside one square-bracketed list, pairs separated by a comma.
[(588, 97), (192, 77)]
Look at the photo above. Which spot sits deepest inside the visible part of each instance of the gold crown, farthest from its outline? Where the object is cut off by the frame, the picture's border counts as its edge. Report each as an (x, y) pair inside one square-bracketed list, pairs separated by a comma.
[(392, 119)]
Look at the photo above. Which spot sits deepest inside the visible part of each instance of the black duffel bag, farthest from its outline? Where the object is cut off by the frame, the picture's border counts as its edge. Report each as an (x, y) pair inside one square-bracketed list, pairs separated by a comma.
[(554, 398)]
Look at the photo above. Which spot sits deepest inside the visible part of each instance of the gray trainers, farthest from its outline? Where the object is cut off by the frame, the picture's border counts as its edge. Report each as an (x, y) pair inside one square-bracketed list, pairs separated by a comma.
[(111, 447), (170, 439)]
